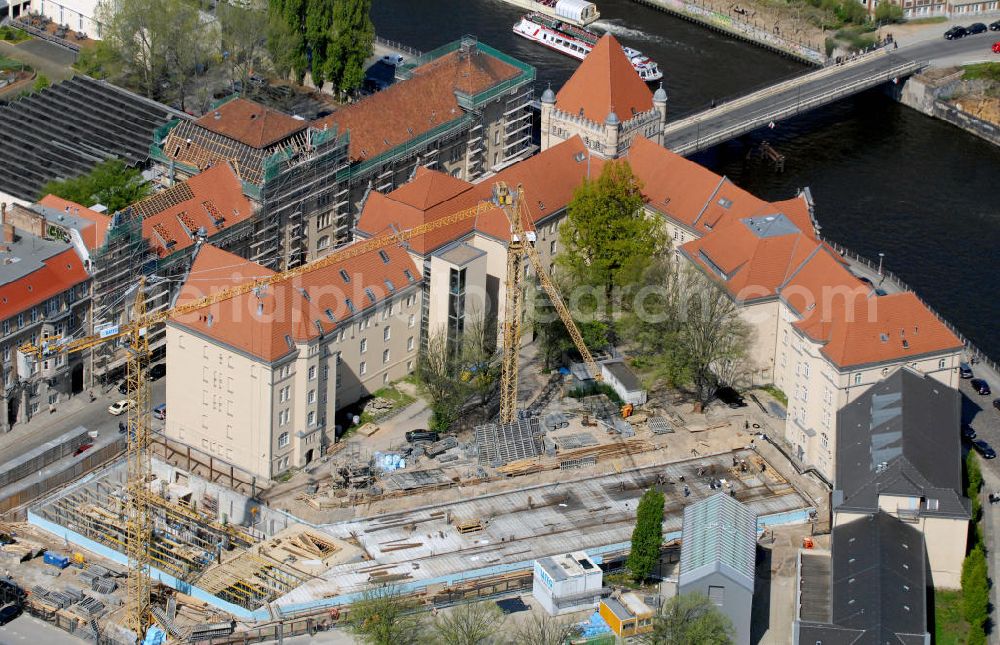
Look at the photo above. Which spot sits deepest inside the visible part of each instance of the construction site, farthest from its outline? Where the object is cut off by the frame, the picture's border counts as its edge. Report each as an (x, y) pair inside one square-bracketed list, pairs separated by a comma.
[(481, 506)]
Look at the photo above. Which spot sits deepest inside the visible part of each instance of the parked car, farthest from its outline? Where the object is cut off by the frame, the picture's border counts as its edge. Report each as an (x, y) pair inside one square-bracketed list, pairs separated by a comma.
[(730, 397), (976, 28), (413, 436), (120, 407), (996, 47), (160, 411), (980, 386), (995, 26), (10, 612), (968, 433), (157, 371), (965, 370), (984, 449), (955, 32), (393, 59), (123, 387)]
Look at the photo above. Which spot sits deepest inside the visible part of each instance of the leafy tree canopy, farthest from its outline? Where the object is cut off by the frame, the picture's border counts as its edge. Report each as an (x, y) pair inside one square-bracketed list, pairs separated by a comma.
[(691, 618), (110, 182)]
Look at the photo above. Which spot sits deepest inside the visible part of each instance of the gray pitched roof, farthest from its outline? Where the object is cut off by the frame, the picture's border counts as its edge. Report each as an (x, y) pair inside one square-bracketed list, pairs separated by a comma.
[(879, 585), (901, 436), (719, 535)]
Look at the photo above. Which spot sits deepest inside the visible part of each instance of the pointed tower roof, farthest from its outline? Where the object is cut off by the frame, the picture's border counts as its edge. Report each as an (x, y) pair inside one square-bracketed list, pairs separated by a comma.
[(605, 82)]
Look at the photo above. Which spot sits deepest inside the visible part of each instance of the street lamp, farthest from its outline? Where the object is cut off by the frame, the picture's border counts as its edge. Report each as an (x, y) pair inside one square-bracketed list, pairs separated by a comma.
[(881, 256)]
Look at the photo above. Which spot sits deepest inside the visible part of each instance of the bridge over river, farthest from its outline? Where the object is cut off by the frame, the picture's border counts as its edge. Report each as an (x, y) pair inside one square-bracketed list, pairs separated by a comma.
[(814, 89)]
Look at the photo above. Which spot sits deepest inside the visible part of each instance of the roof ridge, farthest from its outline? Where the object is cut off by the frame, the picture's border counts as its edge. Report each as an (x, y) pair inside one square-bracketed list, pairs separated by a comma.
[(723, 179)]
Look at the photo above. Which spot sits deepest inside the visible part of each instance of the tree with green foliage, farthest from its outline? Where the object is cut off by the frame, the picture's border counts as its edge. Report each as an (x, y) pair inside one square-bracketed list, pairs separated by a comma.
[(607, 238), (887, 12), (974, 484), (647, 536), (691, 618), (330, 39), (243, 37), (439, 369), (975, 594), (110, 183), (475, 623), (383, 616), (553, 338), (480, 362), (156, 46), (41, 82)]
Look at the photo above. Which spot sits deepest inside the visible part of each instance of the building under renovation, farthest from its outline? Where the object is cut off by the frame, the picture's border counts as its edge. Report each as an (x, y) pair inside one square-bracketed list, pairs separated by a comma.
[(463, 108)]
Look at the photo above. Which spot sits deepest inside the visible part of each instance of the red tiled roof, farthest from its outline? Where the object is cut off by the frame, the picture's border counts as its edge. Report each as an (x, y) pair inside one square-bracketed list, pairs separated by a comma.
[(251, 123), (93, 236), (549, 180), (879, 329), (61, 272), (214, 192), (429, 188), (412, 107), (605, 82), (697, 197), (296, 309)]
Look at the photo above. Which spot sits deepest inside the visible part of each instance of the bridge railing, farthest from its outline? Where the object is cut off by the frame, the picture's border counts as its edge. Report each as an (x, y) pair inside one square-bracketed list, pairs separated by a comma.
[(756, 119), (789, 83)]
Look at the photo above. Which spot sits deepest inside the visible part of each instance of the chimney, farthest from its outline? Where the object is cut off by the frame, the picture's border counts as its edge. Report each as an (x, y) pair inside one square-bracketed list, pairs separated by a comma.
[(9, 234)]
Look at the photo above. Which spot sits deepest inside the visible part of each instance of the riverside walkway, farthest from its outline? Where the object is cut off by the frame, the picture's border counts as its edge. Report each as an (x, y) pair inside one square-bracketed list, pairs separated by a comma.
[(734, 118)]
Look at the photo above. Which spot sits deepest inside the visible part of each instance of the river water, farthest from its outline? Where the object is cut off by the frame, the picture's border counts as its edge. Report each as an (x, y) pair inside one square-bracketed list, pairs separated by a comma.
[(884, 177)]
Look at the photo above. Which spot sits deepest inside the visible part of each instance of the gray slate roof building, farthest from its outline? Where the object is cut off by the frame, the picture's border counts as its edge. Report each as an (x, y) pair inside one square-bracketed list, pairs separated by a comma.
[(878, 588), (64, 130), (720, 534), (718, 557), (901, 437)]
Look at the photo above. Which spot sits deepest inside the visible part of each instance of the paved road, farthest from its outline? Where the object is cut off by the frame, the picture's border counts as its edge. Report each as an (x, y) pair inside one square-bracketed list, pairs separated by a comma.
[(77, 412), (28, 630), (819, 87)]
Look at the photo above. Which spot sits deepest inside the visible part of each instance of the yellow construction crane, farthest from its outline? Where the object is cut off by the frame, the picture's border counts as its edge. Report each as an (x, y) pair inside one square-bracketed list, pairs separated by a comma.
[(521, 246), (134, 335)]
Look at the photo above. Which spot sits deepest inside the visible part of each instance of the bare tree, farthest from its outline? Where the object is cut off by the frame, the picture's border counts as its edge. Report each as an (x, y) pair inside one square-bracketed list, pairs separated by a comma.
[(383, 616), (542, 629), (244, 37), (469, 624), (480, 360), (439, 373)]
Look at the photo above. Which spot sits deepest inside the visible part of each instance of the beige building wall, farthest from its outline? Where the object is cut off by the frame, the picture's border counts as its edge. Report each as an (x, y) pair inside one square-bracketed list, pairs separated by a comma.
[(610, 139), (376, 348), (762, 317), (476, 303), (944, 538), (817, 389)]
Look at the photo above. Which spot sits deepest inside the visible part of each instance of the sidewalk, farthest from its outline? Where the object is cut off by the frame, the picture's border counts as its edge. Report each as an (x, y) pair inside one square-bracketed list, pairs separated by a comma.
[(991, 531)]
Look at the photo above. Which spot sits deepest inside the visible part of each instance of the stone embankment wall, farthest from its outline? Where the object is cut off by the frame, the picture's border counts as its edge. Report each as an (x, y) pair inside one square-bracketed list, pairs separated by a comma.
[(927, 92), (744, 30)]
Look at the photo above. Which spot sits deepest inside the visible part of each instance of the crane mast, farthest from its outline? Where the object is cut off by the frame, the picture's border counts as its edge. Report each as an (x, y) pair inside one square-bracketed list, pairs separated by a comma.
[(135, 335)]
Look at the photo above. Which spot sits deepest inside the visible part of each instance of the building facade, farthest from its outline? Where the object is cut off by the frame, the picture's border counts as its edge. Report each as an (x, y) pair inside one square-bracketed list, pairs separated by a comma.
[(605, 103), (566, 583), (257, 380), (462, 109), (44, 292)]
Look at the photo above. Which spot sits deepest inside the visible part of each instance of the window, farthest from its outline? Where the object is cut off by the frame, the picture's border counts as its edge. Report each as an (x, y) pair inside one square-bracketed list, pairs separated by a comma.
[(311, 397), (350, 305), (370, 294), (322, 221), (283, 394), (344, 276), (824, 440), (363, 368), (409, 344), (409, 276), (20, 320), (386, 333), (940, 362), (323, 243), (409, 300), (283, 417), (312, 372), (857, 378), (411, 321), (805, 370), (386, 312), (282, 439), (312, 418), (6, 327), (409, 366), (717, 595), (385, 356), (364, 345), (552, 247), (385, 256), (385, 379)]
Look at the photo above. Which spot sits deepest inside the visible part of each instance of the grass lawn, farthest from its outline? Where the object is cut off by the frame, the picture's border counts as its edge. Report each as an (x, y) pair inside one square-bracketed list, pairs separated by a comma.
[(949, 626), (777, 394), (13, 35), (927, 21), (983, 71)]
